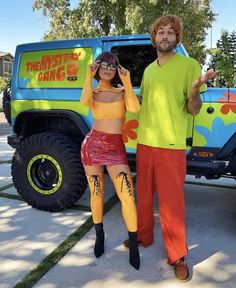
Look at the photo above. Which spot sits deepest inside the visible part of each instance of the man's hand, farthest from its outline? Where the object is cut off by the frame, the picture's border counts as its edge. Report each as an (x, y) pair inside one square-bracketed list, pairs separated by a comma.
[(211, 73), (194, 102)]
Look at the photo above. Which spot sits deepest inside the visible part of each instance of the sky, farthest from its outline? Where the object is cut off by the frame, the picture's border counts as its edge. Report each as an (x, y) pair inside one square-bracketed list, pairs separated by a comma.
[(19, 24)]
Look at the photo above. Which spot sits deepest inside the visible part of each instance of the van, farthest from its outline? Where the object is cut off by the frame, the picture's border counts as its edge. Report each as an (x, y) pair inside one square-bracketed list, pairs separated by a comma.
[(49, 123)]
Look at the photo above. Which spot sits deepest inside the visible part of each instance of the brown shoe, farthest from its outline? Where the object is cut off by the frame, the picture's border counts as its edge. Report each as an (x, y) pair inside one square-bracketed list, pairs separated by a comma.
[(181, 270), (126, 243)]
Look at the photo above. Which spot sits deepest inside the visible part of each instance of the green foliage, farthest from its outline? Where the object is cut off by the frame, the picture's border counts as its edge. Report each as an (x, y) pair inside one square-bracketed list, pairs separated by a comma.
[(58, 12), (3, 83), (223, 58), (92, 18)]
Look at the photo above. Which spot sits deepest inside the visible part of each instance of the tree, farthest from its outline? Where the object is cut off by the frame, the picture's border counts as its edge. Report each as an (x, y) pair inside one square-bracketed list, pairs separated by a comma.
[(3, 83), (59, 13), (92, 18), (223, 58)]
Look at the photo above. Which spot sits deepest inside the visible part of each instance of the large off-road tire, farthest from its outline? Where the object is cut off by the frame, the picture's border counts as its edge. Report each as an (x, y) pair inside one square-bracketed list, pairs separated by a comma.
[(6, 102), (47, 171)]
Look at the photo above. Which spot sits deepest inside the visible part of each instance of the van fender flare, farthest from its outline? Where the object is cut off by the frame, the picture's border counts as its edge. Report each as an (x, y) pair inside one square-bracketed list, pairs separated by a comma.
[(23, 121)]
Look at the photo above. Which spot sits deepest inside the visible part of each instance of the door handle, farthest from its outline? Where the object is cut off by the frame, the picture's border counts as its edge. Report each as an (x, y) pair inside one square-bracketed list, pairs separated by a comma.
[(210, 110)]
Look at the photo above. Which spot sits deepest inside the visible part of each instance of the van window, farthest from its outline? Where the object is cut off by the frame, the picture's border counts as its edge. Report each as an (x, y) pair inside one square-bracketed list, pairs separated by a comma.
[(7, 67), (135, 58)]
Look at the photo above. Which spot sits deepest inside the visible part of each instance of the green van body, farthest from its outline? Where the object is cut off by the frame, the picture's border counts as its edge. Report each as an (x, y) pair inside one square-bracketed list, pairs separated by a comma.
[(49, 122)]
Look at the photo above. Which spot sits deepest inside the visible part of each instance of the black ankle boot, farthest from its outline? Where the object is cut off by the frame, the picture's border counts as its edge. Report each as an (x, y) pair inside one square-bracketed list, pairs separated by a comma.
[(134, 258), (99, 243)]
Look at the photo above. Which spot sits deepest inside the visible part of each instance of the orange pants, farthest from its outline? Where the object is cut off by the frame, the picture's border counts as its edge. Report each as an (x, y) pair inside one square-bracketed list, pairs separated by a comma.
[(164, 171)]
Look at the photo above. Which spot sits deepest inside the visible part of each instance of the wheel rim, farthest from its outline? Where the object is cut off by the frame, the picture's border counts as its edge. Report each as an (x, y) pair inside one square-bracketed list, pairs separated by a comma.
[(44, 174)]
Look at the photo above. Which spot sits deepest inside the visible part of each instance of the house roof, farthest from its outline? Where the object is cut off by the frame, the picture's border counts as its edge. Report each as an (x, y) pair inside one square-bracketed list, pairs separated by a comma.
[(3, 54)]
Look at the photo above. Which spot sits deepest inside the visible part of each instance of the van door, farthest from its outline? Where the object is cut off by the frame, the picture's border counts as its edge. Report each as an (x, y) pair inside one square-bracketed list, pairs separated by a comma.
[(215, 123)]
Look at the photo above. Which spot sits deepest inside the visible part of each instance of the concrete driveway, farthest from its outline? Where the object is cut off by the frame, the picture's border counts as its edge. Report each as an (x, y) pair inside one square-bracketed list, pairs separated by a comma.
[(28, 236)]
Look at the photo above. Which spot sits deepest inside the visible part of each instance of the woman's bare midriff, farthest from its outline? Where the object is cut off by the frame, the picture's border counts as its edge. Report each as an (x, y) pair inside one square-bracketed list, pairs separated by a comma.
[(113, 126)]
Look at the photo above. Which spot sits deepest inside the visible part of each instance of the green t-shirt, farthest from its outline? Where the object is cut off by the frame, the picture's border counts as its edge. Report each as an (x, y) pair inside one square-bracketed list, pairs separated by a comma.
[(165, 90)]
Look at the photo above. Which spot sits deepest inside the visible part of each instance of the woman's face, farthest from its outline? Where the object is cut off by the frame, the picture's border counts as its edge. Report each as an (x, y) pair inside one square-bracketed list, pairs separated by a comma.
[(107, 71)]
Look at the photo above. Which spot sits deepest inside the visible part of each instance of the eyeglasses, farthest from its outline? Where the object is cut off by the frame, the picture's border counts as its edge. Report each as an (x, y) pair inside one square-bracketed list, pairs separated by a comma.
[(105, 65)]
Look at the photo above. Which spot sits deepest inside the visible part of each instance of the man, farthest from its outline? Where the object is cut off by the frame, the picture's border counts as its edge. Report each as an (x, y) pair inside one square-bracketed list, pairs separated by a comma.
[(170, 89)]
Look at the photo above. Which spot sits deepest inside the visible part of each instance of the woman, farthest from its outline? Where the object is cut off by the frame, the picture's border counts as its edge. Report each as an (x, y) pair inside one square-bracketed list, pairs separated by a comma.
[(103, 145)]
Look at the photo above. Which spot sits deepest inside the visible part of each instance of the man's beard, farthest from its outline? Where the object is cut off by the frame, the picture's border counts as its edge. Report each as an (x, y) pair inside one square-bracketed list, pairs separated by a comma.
[(167, 48)]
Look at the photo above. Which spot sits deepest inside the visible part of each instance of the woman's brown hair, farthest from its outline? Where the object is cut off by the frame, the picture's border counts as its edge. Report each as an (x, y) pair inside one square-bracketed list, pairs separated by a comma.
[(176, 23), (110, 58)]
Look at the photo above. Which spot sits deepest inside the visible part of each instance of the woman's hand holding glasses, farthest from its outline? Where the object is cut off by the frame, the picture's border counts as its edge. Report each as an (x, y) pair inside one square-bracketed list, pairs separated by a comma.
[(94, 67), (123, 73)]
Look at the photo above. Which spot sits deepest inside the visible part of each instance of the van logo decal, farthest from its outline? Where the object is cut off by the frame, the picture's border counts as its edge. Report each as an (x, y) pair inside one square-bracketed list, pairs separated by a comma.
[(59, 68), (203, 154)]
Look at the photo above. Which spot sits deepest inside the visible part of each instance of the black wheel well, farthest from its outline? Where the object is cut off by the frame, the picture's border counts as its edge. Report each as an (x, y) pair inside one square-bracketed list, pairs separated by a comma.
[(6, 102), (67, 122)]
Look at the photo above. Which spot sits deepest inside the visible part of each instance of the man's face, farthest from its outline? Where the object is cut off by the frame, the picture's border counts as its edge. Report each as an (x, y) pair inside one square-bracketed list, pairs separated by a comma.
[(165, 38)]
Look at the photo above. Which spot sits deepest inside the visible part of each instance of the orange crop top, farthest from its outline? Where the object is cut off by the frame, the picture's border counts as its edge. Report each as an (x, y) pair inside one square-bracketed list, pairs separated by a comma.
[(110, 110)]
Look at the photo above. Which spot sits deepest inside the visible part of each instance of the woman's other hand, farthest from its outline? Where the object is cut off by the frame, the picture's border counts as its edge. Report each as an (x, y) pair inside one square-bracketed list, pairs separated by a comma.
[(94, 67), (122, 71)]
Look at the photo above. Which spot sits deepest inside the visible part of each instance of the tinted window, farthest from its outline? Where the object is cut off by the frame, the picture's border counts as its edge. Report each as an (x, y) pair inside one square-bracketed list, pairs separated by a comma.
[(135, 59)]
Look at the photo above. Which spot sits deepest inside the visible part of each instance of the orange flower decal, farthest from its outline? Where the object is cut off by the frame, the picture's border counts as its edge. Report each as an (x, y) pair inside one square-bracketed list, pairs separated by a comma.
[(225, 109), (128, 128), (232, 97), (228, 95)]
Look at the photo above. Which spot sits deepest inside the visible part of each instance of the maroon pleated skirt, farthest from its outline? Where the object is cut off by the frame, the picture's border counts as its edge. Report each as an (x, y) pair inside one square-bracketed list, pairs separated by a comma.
[(101, 148)]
